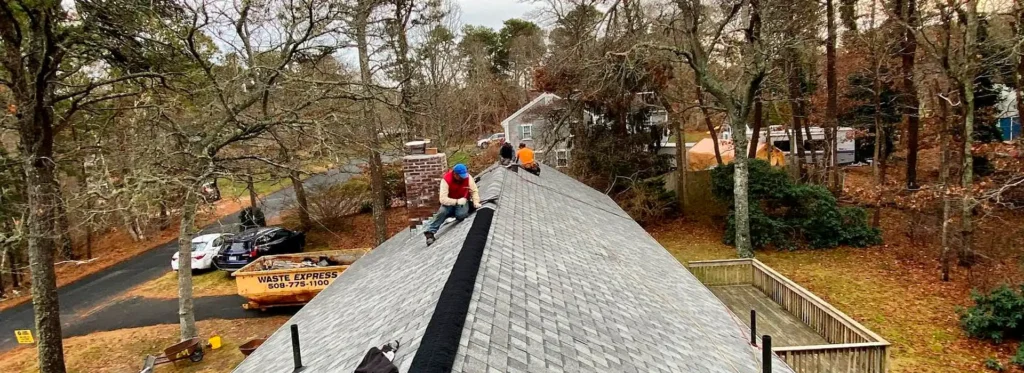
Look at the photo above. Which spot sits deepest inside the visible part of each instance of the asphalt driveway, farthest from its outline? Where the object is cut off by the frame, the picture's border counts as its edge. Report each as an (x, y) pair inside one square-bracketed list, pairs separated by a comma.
[(92, 292)]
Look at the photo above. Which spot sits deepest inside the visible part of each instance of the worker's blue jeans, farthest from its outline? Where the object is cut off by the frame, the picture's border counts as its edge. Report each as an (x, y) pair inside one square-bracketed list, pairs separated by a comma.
[(458, 211)]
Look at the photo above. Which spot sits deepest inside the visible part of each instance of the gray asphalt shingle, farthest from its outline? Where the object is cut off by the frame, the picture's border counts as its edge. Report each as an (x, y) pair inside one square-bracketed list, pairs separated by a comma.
[(568, 282)]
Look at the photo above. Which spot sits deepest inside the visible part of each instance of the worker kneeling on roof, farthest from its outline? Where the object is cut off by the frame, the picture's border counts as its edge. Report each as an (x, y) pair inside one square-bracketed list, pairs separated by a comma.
[(457, 190), (526, 159)]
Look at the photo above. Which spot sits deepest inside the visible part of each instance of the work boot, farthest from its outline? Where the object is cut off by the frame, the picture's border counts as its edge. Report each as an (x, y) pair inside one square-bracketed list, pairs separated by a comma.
[(430, 238)]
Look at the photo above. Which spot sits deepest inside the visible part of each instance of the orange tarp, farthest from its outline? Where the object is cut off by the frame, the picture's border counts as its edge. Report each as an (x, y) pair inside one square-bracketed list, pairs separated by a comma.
[(702, 155)]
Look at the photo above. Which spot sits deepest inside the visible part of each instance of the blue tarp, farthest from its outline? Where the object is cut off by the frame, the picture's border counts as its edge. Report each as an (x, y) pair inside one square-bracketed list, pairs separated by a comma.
[(1010, 127)]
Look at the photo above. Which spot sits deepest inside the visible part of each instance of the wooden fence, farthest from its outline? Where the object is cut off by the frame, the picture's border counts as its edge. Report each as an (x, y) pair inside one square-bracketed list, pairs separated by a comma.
[(852, 349)]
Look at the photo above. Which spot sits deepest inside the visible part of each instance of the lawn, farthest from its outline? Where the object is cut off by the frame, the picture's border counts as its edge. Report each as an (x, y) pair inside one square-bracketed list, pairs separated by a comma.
[(123, 350), (262, 183), (204, 284), (691, 136), (901, 300)]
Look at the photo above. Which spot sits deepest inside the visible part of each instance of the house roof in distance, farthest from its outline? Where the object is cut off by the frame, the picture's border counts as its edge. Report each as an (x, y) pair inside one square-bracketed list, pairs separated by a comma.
[(567, 282)]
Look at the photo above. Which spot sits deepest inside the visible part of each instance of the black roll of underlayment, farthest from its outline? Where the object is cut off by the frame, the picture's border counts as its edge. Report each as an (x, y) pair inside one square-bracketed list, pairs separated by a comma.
[(440, 343)]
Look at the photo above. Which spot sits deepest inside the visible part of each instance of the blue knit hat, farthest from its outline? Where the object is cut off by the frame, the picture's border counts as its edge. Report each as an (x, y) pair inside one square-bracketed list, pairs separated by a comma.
[(460, 169)]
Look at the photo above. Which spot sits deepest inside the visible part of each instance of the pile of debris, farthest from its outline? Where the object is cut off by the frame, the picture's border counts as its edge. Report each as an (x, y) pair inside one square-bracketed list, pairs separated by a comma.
[(306, 262)]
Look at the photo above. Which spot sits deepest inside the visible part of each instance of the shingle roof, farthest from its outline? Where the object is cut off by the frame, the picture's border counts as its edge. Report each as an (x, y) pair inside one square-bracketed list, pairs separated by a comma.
[(568, 282)]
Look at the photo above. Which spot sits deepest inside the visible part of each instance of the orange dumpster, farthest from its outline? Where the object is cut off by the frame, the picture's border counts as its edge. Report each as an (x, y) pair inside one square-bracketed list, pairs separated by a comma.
[(291, 279)]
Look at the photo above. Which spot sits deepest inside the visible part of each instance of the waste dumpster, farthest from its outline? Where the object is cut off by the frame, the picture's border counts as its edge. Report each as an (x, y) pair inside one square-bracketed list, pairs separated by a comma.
[(291, 279)]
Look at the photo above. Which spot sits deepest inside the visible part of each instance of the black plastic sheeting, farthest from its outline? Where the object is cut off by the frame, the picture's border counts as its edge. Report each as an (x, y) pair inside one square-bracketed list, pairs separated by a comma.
[(440, 342)]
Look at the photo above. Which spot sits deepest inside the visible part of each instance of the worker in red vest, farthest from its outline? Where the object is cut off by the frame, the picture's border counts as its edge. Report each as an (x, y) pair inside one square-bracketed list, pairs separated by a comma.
[(457, 190)]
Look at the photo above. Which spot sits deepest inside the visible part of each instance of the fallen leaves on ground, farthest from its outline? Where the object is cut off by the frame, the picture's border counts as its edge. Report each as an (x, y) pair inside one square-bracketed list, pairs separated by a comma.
[(899, 298), (123, 350)]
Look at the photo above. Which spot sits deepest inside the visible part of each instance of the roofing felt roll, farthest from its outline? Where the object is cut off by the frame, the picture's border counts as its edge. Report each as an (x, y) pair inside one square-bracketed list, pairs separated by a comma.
[(440, 340)]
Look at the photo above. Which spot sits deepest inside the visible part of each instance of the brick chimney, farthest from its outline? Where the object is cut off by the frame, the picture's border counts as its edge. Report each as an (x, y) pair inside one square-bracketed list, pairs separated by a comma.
[(423, 168)]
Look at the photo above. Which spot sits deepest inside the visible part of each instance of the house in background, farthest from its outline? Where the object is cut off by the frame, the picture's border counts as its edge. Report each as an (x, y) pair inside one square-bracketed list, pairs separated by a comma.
[(538, 125), (1006, 111), (532, 124)]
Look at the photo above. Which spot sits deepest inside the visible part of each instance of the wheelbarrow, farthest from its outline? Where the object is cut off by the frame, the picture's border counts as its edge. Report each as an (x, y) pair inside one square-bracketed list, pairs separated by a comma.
[(191, 349)]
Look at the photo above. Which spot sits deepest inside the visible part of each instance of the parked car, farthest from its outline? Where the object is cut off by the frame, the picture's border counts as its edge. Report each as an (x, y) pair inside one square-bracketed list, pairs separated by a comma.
[(485, 142), (204, 248), (253, 243)]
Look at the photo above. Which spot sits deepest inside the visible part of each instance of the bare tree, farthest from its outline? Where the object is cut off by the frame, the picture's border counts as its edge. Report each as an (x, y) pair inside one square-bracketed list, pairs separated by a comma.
[(831, 105), (47, 49), (734, 81), (256, 89), (906, 12)]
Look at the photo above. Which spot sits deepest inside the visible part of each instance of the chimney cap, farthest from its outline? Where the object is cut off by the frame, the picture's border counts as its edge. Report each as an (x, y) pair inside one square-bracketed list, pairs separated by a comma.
[(416, 147)]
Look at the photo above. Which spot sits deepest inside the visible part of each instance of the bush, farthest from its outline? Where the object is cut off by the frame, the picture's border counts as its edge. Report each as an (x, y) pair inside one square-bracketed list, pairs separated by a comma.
[(982, 166), (993, 364), (394, 180), (987, 133), (996, 315), (1018, 358), (328, 204), (784, 213), (647, 201)]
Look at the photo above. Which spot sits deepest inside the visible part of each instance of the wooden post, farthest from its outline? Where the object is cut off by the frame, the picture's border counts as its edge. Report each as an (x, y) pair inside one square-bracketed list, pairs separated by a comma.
[(766, 353)]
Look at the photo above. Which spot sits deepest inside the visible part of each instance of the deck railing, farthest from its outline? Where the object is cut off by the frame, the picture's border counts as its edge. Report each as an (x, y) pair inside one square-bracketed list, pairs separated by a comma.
[(853, 348)]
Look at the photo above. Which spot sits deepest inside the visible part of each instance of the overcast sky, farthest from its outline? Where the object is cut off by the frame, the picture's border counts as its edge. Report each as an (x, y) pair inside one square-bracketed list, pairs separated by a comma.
[(492, 13)]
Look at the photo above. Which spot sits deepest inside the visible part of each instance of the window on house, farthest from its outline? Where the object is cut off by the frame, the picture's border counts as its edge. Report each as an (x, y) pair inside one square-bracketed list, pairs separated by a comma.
[(526, 132), (562, 158), (783, 145)]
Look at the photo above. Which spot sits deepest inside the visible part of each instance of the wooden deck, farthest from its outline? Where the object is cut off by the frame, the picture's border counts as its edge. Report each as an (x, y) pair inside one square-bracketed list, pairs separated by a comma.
[(786, 330), (809, 334)]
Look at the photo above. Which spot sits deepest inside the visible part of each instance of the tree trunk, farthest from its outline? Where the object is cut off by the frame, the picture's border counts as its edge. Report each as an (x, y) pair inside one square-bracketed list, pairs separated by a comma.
[(186, 313), (794, 107), (83, 189), (944, 135), (740, 181), (707, 122), (251, 186), (880, 150), (1018, 78), (908, 46), (12, 259), (379, 203), (165, 216), (832, 106), (63, 238), (405, 69), (755, 138), (300, 198), (37, 148), (805, 115), (682, 166), (967, 78)]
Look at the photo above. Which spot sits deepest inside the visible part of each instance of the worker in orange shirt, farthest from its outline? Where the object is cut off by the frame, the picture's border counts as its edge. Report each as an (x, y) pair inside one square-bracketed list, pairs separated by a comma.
[(526, 160)]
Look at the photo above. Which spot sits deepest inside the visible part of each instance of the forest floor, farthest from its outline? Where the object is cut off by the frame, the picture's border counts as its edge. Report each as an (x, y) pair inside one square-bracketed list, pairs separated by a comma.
[(123, 350)]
